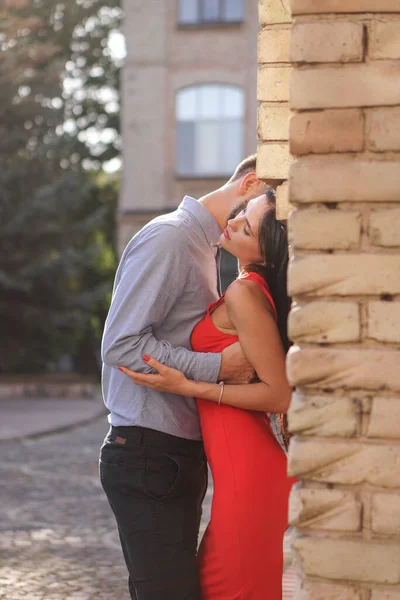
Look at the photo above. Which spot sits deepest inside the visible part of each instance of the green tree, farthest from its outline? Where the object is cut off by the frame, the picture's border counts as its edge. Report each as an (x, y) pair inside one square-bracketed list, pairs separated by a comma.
[(56, 245)]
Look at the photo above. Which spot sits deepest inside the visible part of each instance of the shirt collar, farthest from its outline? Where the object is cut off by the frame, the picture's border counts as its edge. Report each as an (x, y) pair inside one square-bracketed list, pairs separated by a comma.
[(205, 219)]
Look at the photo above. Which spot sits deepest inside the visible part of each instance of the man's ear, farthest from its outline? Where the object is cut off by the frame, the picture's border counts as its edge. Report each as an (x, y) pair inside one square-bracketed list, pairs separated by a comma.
[(250, 184)]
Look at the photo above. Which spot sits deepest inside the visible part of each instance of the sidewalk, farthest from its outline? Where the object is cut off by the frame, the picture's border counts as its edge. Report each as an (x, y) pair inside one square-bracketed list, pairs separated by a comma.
[(32, 417)]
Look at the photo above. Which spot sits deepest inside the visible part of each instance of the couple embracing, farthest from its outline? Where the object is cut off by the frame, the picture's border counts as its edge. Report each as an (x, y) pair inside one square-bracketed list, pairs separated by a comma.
[(178, 361)]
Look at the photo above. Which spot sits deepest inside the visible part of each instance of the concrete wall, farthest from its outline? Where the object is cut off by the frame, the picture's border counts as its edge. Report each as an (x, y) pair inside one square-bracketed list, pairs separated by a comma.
[(344, 278)]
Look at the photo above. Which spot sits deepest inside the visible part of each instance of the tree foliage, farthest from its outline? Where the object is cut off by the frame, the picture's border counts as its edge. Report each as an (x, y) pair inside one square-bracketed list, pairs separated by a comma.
[(59, 90)]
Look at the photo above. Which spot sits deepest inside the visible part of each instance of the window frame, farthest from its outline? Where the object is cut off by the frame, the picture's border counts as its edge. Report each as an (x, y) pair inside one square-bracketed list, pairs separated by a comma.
[(180, 174), (203, 22)]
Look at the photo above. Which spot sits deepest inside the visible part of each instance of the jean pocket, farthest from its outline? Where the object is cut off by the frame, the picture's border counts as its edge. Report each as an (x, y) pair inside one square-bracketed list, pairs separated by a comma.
[(162, 476), (113, 455)]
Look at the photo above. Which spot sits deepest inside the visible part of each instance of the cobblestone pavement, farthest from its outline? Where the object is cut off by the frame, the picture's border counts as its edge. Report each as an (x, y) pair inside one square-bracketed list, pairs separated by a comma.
[(58, 539)]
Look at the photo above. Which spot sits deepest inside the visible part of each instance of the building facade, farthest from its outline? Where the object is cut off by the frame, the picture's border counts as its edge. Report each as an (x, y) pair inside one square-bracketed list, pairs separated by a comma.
[(338, 61), (189, 101)]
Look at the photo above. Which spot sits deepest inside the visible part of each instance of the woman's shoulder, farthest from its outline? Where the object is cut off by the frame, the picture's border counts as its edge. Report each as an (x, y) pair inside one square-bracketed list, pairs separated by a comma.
[(247, 292), (243, 289)]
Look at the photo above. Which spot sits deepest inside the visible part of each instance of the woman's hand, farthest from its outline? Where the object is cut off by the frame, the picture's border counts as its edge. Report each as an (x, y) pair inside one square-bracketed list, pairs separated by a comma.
[(166, 380)]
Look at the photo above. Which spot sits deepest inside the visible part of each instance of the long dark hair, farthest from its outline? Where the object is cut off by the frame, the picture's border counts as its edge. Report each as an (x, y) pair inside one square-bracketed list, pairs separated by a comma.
[(274, 248)]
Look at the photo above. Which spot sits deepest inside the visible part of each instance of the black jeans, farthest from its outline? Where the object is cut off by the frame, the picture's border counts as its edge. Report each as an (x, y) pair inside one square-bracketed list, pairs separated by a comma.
[(155, 484)]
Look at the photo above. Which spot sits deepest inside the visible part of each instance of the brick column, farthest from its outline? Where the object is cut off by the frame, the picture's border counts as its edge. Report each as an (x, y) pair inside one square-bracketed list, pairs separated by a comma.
[(344, 278), (345, 282), (273, 96)]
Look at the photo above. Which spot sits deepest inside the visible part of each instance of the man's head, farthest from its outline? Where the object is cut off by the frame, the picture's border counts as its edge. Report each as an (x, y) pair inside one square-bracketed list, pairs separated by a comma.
[(245, 181), (248, 165), (236, 192)]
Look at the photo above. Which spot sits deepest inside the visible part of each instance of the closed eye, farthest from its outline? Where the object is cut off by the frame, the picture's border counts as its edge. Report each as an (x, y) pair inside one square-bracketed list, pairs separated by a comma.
[(249, 226)]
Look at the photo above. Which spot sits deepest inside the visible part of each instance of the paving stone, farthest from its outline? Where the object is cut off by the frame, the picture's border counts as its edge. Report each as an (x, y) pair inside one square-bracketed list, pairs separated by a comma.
[(58, 539)]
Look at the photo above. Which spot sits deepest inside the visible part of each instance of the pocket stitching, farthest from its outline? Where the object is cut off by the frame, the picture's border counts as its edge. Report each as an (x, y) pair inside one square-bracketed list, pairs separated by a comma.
[(172, 488)]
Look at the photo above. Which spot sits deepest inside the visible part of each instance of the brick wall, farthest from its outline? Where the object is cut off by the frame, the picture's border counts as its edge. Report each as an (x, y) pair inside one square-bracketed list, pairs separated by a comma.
[(344, 277), (273, 94)]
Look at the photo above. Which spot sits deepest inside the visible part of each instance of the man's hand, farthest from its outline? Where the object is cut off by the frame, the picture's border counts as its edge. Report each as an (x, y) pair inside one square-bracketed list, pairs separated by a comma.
[(235, 368)]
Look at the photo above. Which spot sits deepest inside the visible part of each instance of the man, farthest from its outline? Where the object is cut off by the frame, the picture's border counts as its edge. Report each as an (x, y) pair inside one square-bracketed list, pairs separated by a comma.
[(152, 463)]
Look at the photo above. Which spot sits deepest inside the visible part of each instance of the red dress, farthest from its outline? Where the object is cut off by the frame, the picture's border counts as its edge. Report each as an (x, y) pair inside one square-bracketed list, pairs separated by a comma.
[(241, 555)]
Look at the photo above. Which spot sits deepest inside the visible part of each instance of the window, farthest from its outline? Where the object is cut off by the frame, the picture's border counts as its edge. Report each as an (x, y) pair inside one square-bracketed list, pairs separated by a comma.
[(209, 130), (203, 12)]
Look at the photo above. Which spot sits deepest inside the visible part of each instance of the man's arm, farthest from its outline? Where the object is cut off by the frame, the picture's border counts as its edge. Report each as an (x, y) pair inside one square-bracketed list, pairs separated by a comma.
[(152, 279)]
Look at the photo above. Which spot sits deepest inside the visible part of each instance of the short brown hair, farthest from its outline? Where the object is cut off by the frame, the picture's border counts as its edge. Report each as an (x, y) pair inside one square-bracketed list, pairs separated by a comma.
[(248, 165)]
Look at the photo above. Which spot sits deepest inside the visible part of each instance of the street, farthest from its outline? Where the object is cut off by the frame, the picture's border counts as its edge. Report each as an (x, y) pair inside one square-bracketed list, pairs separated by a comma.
[(58, 538)]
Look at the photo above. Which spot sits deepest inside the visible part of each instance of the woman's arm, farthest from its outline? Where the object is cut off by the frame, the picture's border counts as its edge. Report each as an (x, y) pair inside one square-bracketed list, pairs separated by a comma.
[(251, 316)]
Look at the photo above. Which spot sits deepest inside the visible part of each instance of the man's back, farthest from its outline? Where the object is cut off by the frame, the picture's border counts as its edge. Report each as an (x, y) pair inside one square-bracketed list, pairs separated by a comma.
[(166, 279)]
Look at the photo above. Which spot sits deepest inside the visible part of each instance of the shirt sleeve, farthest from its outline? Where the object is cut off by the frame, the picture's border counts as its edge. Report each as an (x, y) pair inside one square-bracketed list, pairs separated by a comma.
[(150, 280)]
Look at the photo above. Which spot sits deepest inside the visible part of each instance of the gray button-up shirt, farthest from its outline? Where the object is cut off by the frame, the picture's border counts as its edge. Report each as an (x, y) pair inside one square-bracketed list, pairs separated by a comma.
[(165, 281)]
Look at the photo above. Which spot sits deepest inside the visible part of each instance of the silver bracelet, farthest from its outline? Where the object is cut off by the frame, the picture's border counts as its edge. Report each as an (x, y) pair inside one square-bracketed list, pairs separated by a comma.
[(222, 384)]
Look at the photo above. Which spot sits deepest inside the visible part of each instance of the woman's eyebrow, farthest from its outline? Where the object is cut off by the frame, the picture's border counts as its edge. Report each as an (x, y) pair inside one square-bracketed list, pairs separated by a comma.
[(248, 225)]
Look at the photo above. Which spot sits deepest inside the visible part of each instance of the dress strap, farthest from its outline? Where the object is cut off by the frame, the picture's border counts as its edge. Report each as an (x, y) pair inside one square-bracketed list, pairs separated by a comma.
[(257, 278), (214, 305)]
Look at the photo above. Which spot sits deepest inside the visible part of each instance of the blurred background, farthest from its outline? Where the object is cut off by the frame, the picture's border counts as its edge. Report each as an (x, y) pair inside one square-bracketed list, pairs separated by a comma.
[(109, 114), (75, 184)]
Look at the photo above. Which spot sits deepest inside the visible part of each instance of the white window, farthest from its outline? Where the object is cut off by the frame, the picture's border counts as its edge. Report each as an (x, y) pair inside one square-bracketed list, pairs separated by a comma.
[(209, 130), (201, 12)]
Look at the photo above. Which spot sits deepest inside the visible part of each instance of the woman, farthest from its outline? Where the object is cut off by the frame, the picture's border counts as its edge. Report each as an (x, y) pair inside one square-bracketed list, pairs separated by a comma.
[(241, 554)]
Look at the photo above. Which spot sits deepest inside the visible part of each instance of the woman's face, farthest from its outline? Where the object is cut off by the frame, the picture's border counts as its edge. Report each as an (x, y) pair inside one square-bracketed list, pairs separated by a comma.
[(240, 238)]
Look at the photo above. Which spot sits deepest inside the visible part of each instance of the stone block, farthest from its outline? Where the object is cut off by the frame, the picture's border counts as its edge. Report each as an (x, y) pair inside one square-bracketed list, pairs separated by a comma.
[(383, 129), (385, 514), (384, 321), (349, 560), (323, 322), (344, 275), (283, 206), (315, 590), (353, 85), (273, 160), (273, 84), (305, 7), (273, 122), (342, 180), (343, 368), (324, 229), (324, 416), (344, 463), (384, 420), (384, 39), (327, 131), (384, 227), (274, 46), (330, 510), (271, 11), (331, 41), (385, 594)]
